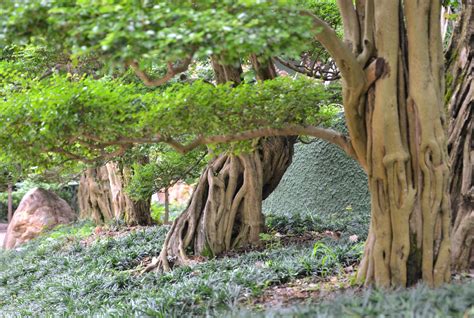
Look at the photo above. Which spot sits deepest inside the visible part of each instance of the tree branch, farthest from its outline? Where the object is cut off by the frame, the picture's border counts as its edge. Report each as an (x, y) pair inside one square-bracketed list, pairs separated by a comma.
[(172, 71), (368, 41), (351, 25), (329, 135), (327, 73), (354, 84)]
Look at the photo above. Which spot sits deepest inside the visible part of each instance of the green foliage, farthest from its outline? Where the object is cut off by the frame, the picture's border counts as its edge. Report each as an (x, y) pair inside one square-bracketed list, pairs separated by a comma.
[(299, 222), (151, 31), (336, 255), (165, 168), (63, 118), (157, 212), (59, 274), (66, 273)]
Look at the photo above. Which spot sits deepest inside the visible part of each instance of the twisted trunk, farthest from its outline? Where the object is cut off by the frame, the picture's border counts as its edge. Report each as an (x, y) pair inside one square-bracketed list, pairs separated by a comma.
[(102, 198), (460, 139), (395, 118), (225, 210)]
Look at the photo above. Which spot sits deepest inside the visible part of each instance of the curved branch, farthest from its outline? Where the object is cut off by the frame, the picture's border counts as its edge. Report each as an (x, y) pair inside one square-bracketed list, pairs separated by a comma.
[(354, 83), (329, 135), (172, 71), (327, 73), (368, 40)]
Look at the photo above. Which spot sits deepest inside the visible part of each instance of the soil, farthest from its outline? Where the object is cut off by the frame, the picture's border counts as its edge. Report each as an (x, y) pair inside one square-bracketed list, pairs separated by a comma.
[(303, 291)]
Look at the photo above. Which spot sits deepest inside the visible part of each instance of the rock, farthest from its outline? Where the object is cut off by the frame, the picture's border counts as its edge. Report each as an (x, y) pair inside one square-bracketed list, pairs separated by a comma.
[(38, 210)]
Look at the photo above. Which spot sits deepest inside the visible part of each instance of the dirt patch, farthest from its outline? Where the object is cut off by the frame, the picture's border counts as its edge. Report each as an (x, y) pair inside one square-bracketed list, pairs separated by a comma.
[(303, 291), (105, 232), (277, 239)]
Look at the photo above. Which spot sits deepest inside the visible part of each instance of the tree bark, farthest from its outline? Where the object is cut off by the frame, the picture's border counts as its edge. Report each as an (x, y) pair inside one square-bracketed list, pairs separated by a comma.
[(459, 98), (10, 202), (166, 217), (225, 210), (395, 118), (102, 197), (94, 196)]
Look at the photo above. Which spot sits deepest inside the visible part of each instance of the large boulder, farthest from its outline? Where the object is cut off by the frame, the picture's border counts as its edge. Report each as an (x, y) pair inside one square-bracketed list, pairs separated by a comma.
[(39, 210)]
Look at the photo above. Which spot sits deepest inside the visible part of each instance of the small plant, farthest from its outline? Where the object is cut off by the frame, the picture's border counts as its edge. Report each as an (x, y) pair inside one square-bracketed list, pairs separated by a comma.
[(270, 240), (157, 212)]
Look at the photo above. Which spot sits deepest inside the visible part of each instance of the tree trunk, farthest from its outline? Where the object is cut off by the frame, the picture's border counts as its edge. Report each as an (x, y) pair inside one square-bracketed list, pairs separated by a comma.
[(10, 202), (397, 130), (94, 196), (166, 217), (225, 210), (133, 212), (102, 198), (459, 102)]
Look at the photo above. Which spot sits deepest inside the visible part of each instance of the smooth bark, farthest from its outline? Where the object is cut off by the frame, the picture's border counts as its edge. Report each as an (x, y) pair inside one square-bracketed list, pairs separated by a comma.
[(396, 126)]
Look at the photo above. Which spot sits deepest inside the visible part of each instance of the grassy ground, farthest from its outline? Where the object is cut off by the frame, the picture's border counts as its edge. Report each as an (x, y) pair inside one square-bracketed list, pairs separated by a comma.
[(86, 271)]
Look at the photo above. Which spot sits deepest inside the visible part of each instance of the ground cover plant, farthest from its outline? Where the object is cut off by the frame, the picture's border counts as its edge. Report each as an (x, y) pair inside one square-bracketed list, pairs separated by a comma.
[(67, 272), (84, 270)]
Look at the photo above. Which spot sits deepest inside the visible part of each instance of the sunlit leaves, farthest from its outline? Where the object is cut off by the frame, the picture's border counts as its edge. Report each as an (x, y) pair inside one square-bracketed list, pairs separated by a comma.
[(81, 117), (152, 31)]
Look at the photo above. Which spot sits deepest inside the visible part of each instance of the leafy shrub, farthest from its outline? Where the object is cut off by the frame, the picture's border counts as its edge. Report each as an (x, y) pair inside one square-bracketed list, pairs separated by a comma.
[(296, 223)]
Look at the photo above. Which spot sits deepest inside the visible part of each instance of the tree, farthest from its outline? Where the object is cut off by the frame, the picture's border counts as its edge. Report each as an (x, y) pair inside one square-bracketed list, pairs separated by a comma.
[(165, 168), (459, 99), (391, 65), (102, 196), (8, 176)]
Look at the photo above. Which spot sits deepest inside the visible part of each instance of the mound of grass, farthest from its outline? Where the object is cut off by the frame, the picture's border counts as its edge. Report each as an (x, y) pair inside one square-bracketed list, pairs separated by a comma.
[(348, 222)]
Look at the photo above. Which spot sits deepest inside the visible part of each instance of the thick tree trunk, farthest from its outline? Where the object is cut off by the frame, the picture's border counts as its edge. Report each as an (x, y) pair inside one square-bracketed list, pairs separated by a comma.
[(102, 198), (397, 130), (225, 210), (133, 212), (459, 78), (94, 196)]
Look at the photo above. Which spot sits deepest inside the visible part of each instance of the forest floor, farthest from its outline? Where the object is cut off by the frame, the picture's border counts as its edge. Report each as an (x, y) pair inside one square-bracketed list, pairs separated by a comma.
[(301, 269)]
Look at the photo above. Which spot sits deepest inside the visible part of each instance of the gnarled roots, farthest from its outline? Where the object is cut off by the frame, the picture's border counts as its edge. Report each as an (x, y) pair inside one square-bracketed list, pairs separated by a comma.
[(225, 210)]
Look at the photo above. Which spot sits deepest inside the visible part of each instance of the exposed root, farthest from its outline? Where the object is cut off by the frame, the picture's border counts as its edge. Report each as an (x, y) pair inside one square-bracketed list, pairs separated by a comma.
[(225, 209)]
